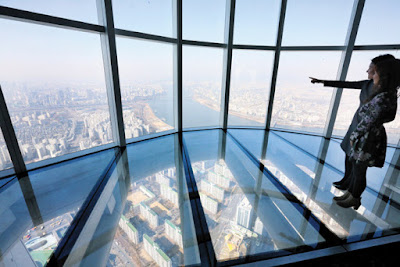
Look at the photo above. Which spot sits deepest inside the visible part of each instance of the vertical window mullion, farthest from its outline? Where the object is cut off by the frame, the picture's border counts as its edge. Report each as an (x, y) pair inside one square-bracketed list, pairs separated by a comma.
[(227, 61), (178, 116), (108, 45), (276, 64)]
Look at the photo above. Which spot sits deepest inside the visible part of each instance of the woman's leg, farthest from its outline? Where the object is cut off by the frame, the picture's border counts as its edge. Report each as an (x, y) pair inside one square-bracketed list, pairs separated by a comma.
[(357, 186), (359, 181), (346, 180)]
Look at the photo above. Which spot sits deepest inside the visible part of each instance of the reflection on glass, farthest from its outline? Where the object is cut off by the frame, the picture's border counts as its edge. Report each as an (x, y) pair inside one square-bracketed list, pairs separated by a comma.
[(298, 104), (145, 71), (55, 89), (76, 10), (249, 91), (202, 72), (256, 22), (375, 176), (370, 32), (245, 212), (203, 20), (313, 22), (349, 102), (311, 183), (5, 160), (154, 17), (38, 209)]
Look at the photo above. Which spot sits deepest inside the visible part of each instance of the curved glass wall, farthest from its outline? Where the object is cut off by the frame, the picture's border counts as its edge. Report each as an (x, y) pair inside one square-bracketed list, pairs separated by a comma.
[(298, 104), (202, 72), (256, 22), (54, 86), (249, 91), (85, 11), (302, 18), (196, 197), (370, 32), (152, 17), (202, 23)]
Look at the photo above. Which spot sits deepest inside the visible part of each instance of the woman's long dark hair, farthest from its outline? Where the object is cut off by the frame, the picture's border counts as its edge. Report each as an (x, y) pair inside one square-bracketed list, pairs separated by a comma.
[(389, 75)]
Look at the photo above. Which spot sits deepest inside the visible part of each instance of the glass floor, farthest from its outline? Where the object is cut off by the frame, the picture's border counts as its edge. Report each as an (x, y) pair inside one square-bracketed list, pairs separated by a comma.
[(202, 198)]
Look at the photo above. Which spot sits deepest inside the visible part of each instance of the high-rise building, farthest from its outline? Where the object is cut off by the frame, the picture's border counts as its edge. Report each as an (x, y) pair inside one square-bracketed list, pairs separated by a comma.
[(259, 227), (243, 213), (129, 229), (212, 189), (221, 168), (209, 204), (162, 179), (153, 249), (174, 233), (149, 215), (218, 179), (170, 194)]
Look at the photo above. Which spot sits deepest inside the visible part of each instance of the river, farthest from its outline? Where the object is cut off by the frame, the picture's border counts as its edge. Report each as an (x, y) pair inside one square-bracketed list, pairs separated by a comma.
[(194, 113)]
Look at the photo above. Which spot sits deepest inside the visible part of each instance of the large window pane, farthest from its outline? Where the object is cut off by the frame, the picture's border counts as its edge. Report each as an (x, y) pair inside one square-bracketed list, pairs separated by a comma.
[(54, 86), (146, 78), (154, 17), (298, 104), (350, 100), (379, 23), (256, 22), (76, 10), (250, 84), (202, 76), (203, 20), (315, 22)]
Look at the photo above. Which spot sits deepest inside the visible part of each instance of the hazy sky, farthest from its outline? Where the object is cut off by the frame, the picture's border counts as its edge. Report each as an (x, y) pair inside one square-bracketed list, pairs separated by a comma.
[(37, 52)]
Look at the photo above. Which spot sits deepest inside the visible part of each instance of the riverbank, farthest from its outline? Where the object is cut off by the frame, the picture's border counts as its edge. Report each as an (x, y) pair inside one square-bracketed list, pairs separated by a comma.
[(148, 117), (206, 102)]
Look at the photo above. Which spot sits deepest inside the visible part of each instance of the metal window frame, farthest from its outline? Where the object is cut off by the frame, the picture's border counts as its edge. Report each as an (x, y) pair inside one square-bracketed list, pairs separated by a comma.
[(178, 66), (227, 61), (278, 49), (109, 49)]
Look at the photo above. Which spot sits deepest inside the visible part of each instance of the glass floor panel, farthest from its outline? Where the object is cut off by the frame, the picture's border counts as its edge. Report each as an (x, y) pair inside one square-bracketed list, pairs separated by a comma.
[(311, 183), (144, 216), (200, 198), (246, 213), (36, 210)]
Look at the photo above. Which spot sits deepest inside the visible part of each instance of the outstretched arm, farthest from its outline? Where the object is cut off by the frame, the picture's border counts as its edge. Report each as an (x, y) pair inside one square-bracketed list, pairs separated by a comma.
[(339, 84)]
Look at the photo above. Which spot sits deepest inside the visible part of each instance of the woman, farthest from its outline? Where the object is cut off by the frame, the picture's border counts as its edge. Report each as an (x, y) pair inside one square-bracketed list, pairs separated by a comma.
[(368, 141), (367, 92)]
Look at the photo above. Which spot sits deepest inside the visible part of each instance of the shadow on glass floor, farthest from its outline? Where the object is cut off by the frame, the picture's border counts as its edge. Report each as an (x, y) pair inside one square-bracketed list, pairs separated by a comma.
[(206, 197)]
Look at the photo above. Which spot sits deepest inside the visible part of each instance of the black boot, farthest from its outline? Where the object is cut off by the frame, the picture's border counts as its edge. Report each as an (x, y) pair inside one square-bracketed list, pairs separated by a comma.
[(350, 201), (342, 197)]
